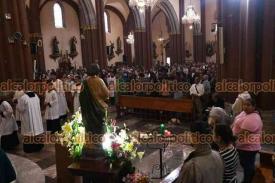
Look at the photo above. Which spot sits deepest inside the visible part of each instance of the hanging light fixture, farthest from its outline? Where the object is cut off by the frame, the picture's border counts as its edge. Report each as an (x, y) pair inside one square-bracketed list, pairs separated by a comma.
[(190, 15), (141, 4), (130, 39)]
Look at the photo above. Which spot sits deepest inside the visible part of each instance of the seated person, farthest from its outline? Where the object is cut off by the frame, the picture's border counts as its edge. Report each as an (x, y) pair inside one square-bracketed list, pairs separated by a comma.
[(203, 165), (7, 173), (8, 127)]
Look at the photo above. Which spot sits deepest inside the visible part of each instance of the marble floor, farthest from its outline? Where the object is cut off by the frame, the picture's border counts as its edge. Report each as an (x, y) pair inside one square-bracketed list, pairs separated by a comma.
[(42, 164)]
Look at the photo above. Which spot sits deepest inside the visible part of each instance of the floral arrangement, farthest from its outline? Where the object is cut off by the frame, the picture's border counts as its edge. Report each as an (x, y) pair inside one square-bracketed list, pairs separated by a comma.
[(136, 178), (72, 136), (119, 144)]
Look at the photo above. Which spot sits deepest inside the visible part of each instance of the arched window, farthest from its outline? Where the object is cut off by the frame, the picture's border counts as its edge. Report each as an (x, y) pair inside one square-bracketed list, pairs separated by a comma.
[(58, 16), (107, 22)]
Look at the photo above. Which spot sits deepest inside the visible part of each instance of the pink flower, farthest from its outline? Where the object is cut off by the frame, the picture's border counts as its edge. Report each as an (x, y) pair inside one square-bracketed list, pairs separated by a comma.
[(113, 121), (115, 145)]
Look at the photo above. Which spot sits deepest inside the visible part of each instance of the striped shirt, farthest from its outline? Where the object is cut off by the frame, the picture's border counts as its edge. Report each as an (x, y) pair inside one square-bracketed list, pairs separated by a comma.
[(231, 160)]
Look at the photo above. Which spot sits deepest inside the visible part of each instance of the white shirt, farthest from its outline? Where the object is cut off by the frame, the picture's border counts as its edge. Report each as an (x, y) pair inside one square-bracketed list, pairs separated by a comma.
[(197, 89), (51, 112), (62, 102), (29, 108), (7, 123)]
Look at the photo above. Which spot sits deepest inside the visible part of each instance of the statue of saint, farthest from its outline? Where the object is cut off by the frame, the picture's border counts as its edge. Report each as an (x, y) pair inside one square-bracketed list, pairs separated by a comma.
[(110, 51), (155, 55), (55, 49), (119, 50), (55, 43), (73, 51)]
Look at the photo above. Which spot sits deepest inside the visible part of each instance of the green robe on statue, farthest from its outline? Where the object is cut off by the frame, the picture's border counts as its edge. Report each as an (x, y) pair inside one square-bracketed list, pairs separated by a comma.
[(92, 112)]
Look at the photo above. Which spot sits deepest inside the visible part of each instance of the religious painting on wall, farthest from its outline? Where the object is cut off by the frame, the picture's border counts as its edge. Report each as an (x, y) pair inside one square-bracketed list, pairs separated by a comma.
[(110, 51), (210, 48), (119, 49)]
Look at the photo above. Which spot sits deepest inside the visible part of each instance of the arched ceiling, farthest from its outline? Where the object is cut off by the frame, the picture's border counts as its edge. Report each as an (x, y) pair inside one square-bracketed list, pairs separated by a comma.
[(120, 5), (42, 1), (27, 3), (155, 10)]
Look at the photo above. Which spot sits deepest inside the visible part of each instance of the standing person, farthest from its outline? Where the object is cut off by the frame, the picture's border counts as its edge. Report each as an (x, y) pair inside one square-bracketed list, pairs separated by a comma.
[(62, 102), (203, 165), (223, 137), (92, 101), (18, 93), (111, 81), (8, 127), (51, 112), (207, 91), (7, 173), (218, 115), (76, 89), (248, 127), (237, 107), (197, 91), (32, 126)]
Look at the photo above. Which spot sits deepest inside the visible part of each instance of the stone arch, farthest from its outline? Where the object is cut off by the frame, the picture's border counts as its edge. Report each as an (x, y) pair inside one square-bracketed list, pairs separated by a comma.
[(170, 13), (139, 19), (87, 19)]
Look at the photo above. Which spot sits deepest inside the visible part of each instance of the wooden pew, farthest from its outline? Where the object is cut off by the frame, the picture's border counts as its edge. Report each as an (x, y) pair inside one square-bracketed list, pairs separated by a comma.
[(155, 103)]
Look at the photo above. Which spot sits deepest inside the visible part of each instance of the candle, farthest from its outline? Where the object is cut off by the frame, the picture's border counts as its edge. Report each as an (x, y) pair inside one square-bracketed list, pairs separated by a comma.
[(162, 129)]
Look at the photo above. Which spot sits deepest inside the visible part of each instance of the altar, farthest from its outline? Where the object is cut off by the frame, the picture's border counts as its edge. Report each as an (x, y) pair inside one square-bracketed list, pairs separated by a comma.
[(95, 170), (99, 170)]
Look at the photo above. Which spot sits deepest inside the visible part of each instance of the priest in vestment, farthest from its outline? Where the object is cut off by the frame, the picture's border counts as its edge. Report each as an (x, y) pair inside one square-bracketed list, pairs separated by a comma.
[(31, 127), (92, 101)]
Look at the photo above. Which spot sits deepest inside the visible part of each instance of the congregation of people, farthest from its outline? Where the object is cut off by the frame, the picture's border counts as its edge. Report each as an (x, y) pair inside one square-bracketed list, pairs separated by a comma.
[(208, 163)]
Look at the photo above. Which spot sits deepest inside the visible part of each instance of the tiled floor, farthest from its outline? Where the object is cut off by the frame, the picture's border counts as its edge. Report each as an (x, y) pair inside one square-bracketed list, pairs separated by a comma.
[(173, 155)]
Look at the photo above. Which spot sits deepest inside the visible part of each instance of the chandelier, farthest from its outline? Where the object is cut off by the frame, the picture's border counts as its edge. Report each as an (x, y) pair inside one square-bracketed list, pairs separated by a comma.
[(141, 4), (130, 39), (190, 16)]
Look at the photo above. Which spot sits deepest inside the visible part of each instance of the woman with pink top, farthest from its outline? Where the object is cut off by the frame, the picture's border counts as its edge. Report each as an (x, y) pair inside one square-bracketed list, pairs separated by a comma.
[(248, 127)]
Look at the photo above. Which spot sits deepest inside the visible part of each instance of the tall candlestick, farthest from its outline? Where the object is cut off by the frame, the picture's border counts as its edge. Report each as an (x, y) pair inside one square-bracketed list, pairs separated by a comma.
[(162, 129)]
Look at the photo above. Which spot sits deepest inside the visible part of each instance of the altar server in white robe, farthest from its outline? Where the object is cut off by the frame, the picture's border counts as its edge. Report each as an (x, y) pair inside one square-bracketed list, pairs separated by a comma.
[(51, 112), (18, 93), (62, 102), (32, 126), (8, 127)]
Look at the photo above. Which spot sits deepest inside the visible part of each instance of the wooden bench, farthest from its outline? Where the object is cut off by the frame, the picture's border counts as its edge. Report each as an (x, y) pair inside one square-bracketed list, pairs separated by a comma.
[(155, 103)]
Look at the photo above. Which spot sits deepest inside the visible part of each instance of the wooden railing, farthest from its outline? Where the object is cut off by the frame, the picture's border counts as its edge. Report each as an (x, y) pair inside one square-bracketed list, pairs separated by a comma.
[(156, 103)]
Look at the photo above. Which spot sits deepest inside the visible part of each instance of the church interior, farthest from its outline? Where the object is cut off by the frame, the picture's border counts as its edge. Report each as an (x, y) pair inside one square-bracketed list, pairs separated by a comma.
[(137, 91)]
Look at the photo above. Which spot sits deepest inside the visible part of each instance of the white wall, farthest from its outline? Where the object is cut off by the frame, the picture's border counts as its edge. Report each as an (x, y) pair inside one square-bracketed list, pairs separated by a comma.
[(116, 31), (63, 35), (159, 24)]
